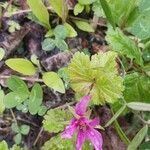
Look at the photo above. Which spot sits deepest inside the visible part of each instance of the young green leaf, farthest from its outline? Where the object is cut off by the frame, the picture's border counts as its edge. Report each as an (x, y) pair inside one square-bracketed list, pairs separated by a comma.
[(14, 83), (15, 128), (139, 106), (48, 44), (21, 65), (18, 138), (82, 25), (61, 44), (55, 120), (97, 77), (60, 7), (115, 116), (108, 12), (122, 44), (2, 53), (138, 138), (52, 80), (71, 30), (13, 99), (3, 145), (42, 110), (35, 99), (24, 129), (40, 11), (60, 32), (2, 106), (78, 9)]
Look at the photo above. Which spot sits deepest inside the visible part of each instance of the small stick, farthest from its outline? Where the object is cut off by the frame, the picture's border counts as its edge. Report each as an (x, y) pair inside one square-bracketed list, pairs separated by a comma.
[(38, 136), (23, 78)]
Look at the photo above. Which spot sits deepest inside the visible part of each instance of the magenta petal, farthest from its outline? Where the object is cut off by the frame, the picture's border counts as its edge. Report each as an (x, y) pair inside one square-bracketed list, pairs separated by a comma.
[(80, 140), (94, 122), (69, 130), (95, 137), (82, 105)]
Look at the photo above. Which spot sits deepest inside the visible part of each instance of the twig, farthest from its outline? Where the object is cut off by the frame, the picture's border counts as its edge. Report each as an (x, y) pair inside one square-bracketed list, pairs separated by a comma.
[(38, 136), (23, 78), (13, 115)]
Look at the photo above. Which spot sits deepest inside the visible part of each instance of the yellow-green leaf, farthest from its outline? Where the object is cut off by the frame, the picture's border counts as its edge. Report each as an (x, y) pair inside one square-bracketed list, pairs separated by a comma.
[(2, 106), (21, 65), (82, 25), (71, 30), (60, 7), (52, 80), (40, 11), (2, 53), (78, 9)]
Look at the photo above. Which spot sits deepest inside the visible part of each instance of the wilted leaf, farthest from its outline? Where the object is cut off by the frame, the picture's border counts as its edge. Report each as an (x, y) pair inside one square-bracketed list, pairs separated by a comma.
[(120, 43), (82, 25), (97, 77), (40, 11), (139, 106), (52, 80), (55, 120), (21, 65)]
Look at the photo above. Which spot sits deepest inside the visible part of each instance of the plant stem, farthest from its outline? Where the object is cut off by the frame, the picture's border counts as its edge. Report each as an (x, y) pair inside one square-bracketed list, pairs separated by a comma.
[(38, 136), (13, 115), (23, 78)]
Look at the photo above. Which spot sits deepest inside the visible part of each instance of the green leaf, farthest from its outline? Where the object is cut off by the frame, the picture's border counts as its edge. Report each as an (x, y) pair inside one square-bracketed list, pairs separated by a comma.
[(24, 129), (82, 25), (52, 80), (3, 145), (71, 30), (138, 138), (145, 146), (137, 88), (15, 128), (48, 44), (42, 110), (21, 65), (120, 43), (97, 77), (16, 147), (60, 7), (57, 143), (139, 106), (60, 32), (40, 11), (2, 53), (14, 83), (115, 116), (87, 2), (18, 138), (61, 44), (35, 99), (78, 9), (2, 106), (13, 99), (108, 12), (55, 120)]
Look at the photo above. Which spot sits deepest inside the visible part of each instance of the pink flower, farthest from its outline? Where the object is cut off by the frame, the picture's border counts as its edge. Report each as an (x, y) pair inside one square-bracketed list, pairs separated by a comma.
[(83, 126)]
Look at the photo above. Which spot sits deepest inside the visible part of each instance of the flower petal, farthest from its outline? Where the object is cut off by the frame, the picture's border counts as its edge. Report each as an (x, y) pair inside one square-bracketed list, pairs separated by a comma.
[(80, 140), (69, 130), (82, 105), (94, 122), (95, 137)]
